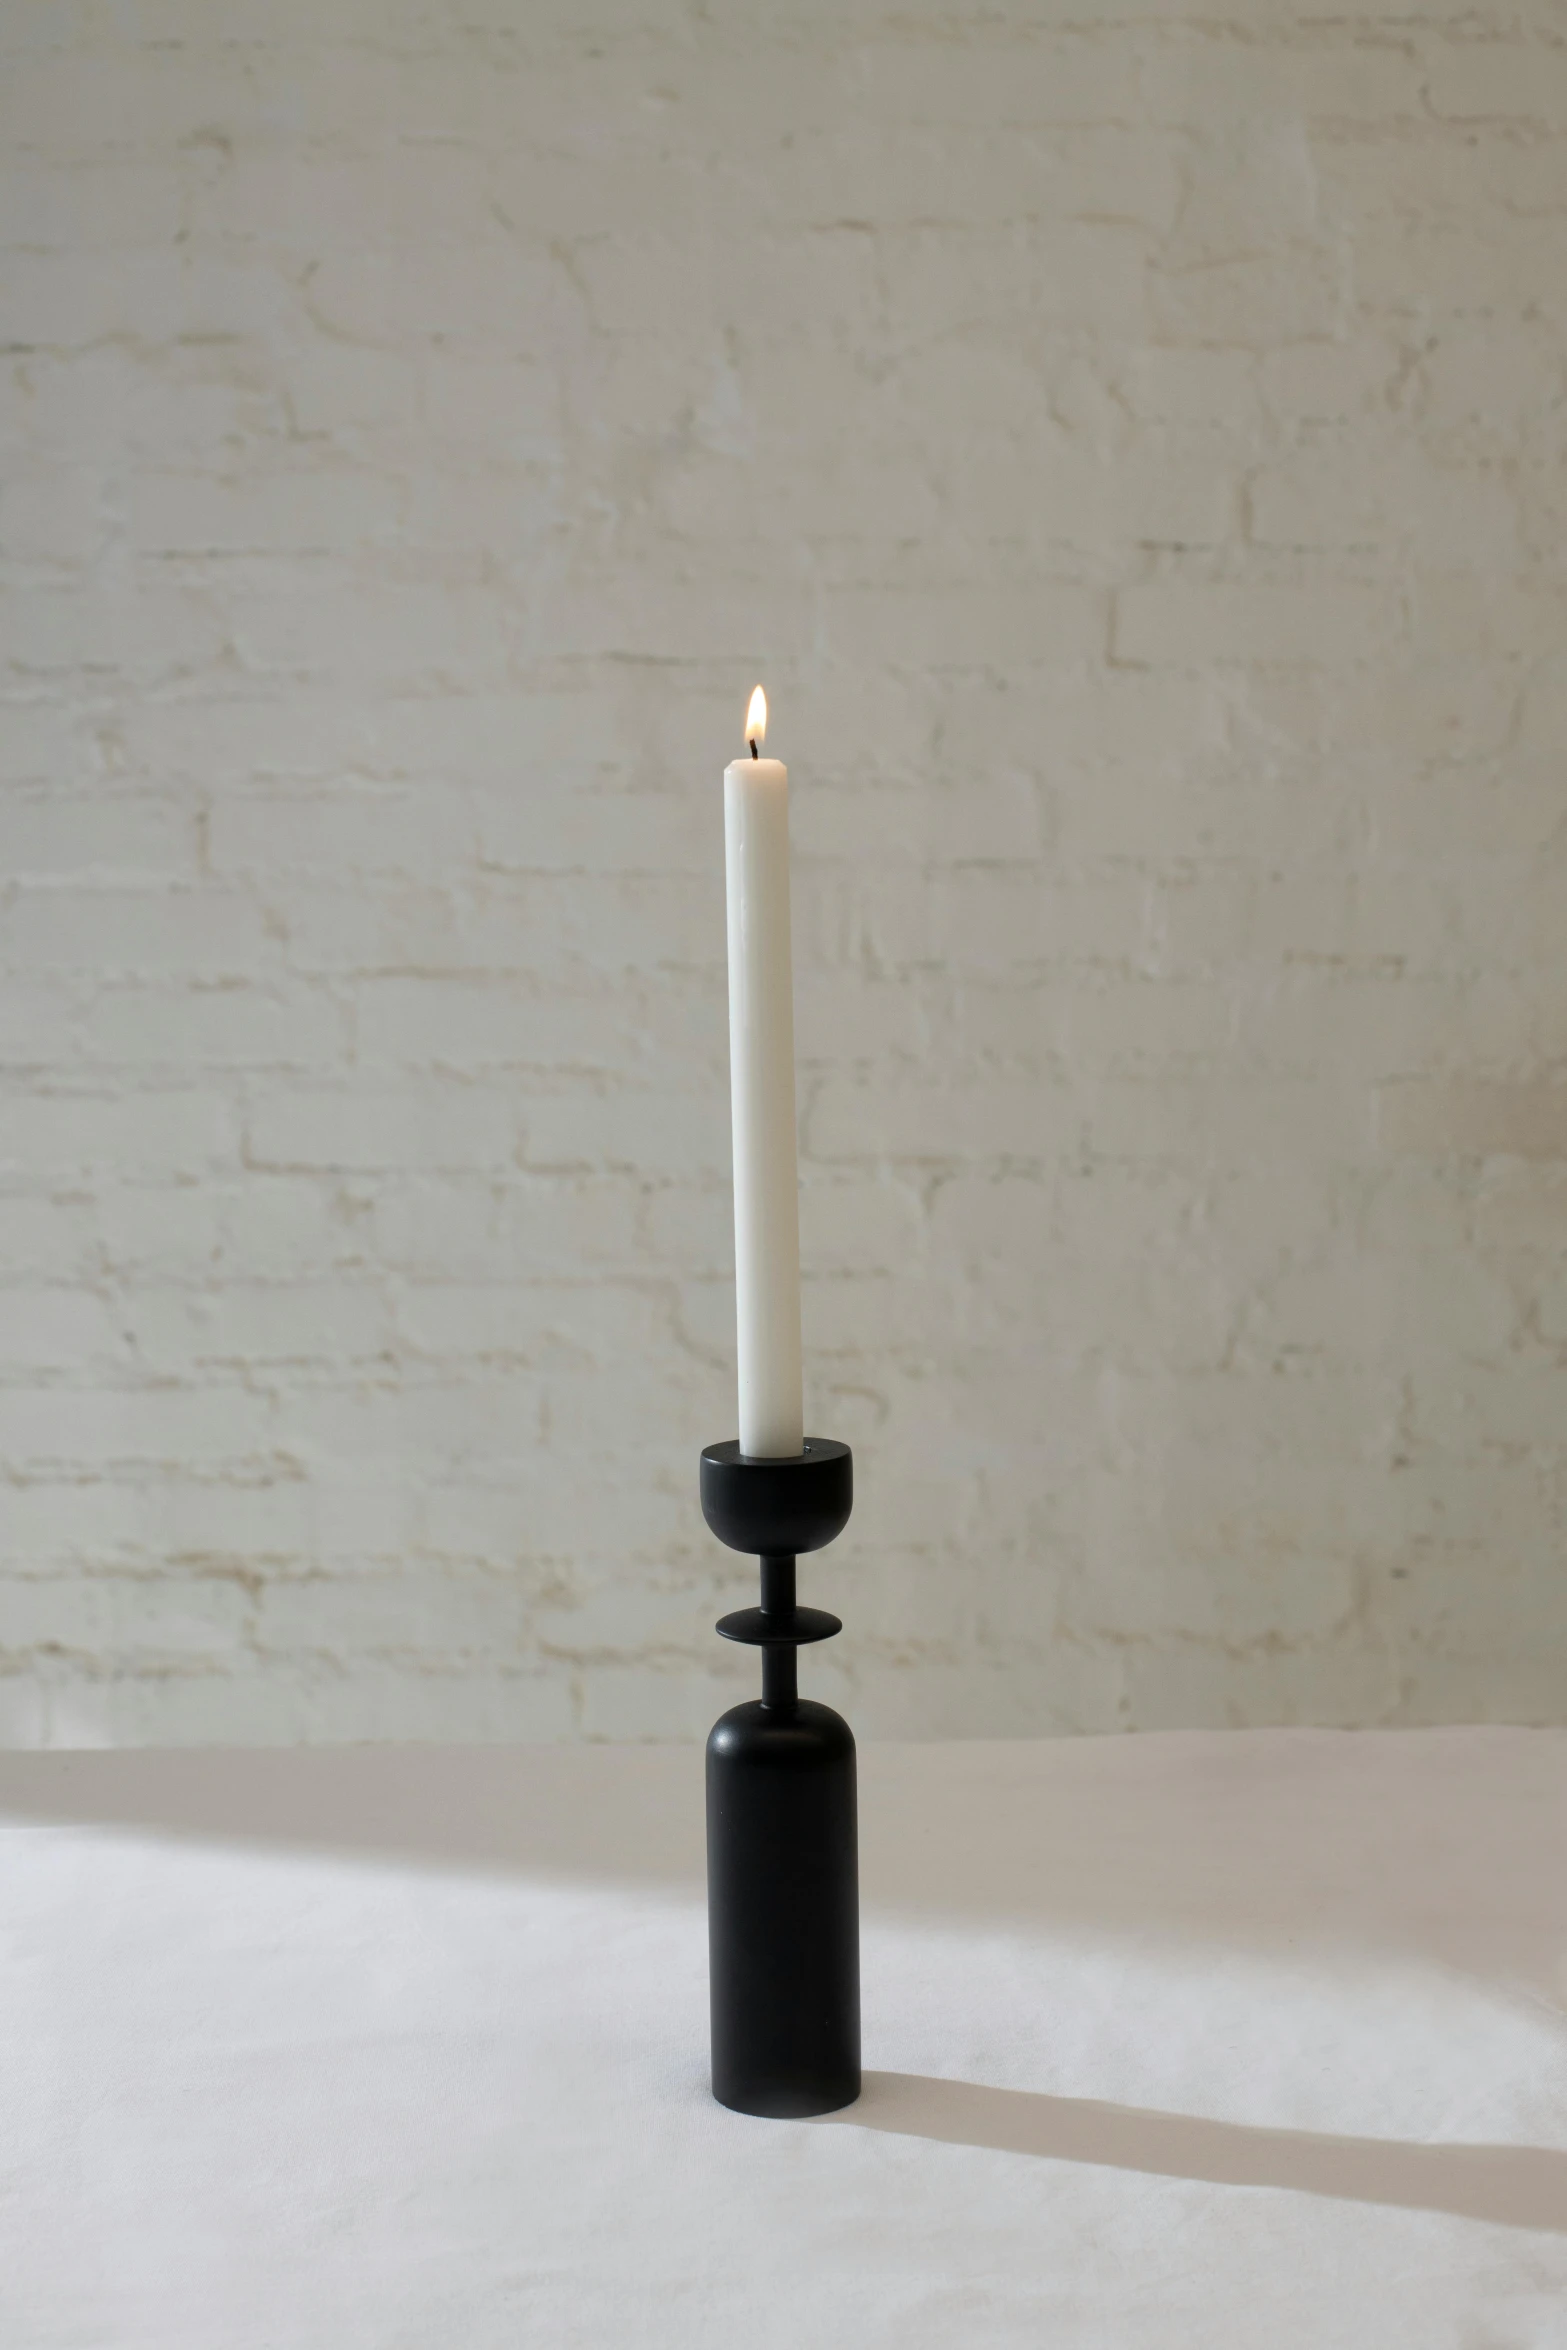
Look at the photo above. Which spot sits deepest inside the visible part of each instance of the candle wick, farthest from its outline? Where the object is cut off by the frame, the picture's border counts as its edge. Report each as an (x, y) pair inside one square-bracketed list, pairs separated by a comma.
[(753, 746)]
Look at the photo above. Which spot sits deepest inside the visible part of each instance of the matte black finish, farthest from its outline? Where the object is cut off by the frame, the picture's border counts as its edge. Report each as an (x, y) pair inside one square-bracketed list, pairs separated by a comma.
[(782, 1861), (798, 1629), (783, 1910), (792, 1506)]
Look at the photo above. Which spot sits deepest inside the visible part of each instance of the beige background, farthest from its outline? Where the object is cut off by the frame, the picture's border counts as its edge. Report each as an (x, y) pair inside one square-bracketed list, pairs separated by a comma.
[(1128, 441)]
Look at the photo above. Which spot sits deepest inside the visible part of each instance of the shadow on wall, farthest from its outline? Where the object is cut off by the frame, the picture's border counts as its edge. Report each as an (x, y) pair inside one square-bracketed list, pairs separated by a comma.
[(1421, 1844), (1407, 1845)]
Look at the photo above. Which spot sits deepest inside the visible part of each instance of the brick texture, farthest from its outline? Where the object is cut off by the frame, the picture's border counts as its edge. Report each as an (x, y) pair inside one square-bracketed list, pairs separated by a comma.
[(1128, 442)]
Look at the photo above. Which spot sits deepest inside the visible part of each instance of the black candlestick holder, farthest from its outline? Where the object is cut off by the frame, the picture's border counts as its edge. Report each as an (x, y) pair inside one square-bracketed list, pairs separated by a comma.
[(782, 1857)]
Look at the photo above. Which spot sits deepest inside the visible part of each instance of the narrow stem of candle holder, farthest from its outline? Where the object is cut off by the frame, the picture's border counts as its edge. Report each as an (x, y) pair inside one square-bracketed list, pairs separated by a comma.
[(781, 1680), (780, 1665), (777, 1583)]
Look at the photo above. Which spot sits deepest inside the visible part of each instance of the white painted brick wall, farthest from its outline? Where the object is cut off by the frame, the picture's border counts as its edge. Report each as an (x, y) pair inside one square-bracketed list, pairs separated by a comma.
[(1128, 441)]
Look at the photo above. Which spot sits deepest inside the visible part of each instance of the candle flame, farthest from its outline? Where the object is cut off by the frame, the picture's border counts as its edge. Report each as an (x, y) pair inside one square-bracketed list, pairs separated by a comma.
[(756, 720)]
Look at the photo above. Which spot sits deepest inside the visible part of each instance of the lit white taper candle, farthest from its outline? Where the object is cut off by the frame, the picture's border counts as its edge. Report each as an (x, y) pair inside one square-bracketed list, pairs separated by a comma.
[(761, 1084)]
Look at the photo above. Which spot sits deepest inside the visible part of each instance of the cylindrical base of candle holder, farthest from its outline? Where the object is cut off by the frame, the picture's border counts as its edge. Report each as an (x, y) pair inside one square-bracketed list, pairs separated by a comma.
[(783, 1910)]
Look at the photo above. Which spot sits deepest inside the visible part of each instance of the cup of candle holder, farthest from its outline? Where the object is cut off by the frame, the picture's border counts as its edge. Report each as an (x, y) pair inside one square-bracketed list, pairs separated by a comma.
[(782, 1859), (778, 1506)]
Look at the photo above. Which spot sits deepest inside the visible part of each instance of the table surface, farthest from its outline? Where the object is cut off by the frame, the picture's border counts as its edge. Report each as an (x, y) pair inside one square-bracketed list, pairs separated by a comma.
[(1232, 2040)]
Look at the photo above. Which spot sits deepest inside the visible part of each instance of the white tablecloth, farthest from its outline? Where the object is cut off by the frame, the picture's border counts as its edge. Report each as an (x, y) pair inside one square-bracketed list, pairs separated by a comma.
[(1243, 2042)]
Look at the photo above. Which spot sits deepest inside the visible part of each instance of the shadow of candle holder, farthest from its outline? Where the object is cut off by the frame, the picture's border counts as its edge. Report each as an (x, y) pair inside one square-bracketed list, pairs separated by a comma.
[(1506, 2186)]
